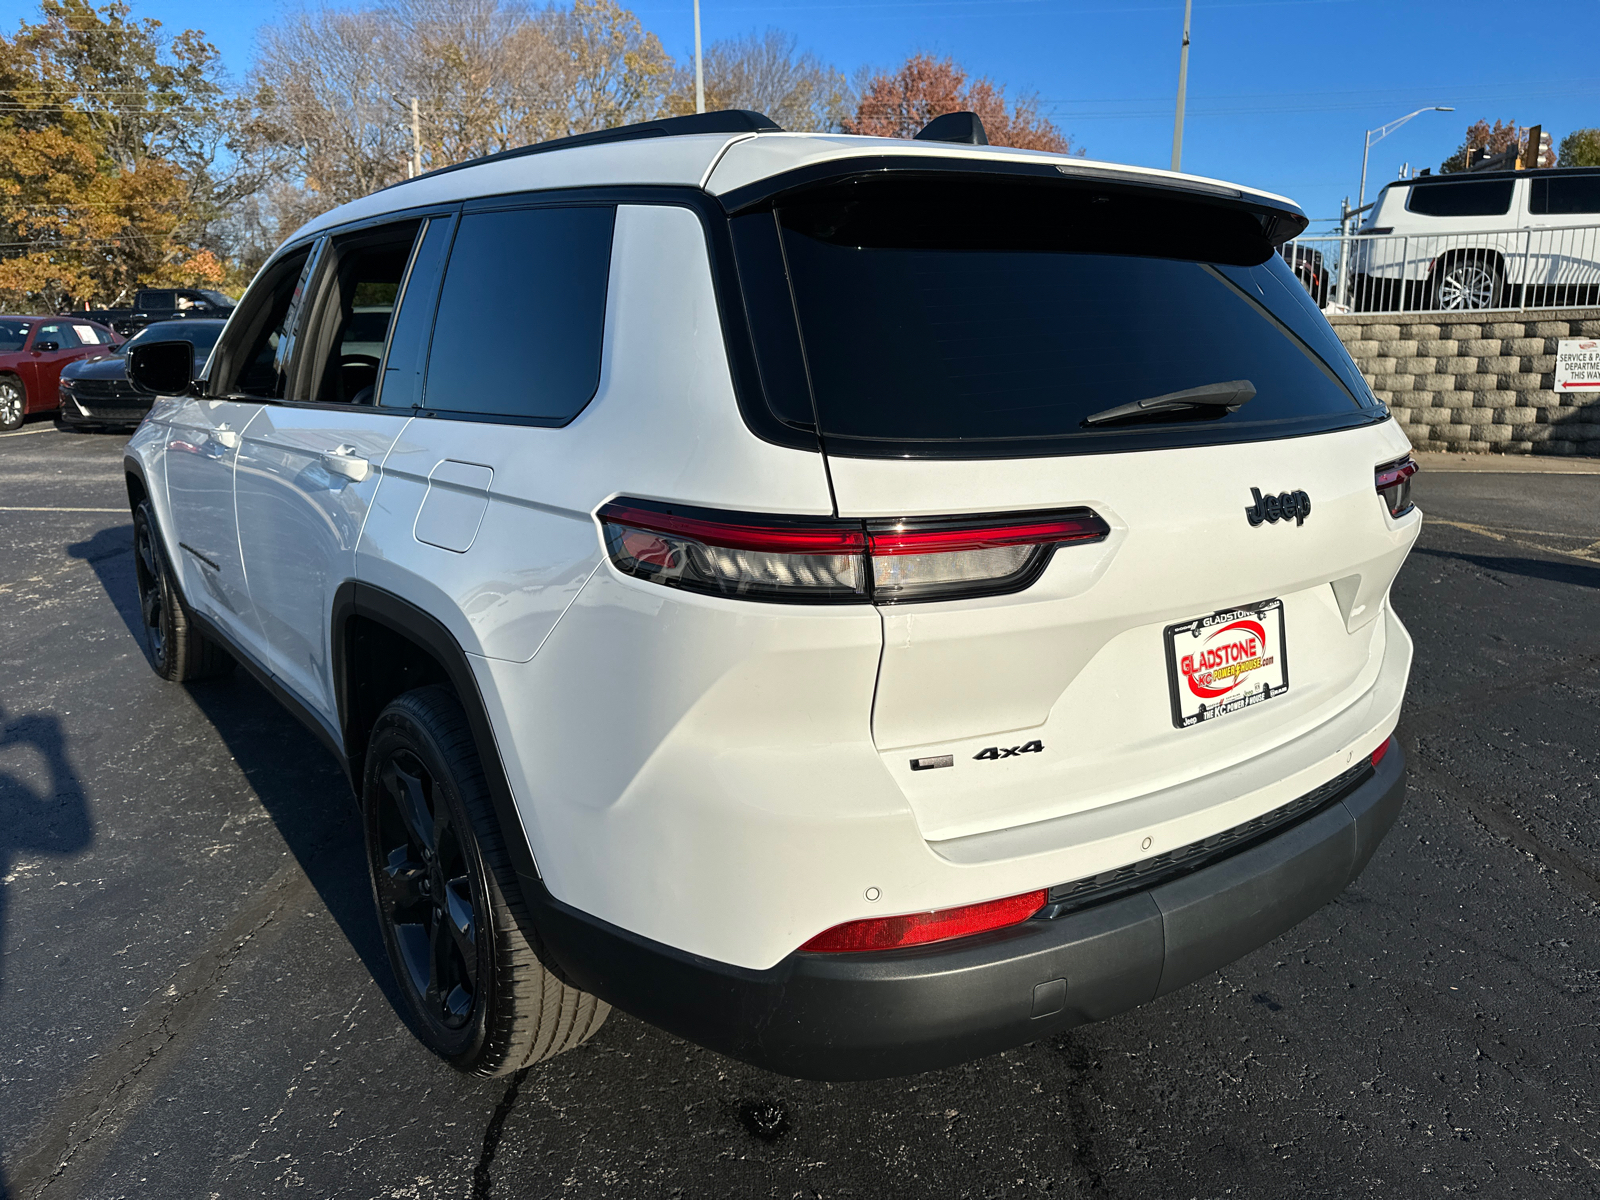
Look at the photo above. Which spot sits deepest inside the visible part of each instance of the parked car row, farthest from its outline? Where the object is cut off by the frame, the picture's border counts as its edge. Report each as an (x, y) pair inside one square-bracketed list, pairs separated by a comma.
[(79, 369)]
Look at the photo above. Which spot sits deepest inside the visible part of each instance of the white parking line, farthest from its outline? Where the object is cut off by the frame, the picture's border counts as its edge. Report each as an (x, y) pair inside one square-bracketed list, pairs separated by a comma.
[(24, 508), (26, 432)]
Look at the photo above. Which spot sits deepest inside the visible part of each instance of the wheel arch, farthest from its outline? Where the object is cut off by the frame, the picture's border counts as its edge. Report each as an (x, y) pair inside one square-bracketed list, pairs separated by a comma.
[(383, 645), (134, 480)]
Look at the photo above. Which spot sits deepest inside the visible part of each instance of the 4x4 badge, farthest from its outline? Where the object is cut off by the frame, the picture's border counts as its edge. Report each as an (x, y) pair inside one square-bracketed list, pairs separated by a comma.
[(993, 752), (1278, 508)]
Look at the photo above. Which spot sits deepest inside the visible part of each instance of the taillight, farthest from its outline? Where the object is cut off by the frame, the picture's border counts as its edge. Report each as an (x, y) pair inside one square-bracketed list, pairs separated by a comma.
[(1377, 755), (811, 560), (918, 929), (1394, 484), (945, 560)]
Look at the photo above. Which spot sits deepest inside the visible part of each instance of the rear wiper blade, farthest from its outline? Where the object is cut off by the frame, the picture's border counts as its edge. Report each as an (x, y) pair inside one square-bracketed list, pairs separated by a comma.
[(1228, 395)]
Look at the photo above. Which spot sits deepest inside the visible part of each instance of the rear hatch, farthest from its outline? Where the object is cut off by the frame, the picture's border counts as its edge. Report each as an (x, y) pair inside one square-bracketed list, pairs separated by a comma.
[(964, 338)]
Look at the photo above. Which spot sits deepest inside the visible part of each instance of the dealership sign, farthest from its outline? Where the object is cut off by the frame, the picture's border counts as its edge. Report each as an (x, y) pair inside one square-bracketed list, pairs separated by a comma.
[(1578, 365)]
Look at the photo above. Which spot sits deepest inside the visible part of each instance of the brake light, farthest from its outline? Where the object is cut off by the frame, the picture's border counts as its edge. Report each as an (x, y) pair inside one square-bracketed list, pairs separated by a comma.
[(1394, 484), (918, 929), (1377, 755), (808, 560)]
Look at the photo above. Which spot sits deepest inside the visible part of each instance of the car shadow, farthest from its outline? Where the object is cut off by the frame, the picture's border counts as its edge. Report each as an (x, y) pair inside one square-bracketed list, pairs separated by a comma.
[(299, 784), (1551, 570), (41, 811)]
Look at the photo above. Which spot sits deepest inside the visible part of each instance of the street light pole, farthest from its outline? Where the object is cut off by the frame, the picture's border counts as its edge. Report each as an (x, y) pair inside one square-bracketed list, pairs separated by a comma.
[(1183, 85), (699, 77), (1384, 131)]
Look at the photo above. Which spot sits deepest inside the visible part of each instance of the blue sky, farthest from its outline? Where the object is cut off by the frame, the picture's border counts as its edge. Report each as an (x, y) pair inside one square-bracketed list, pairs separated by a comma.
[(1280, 91)]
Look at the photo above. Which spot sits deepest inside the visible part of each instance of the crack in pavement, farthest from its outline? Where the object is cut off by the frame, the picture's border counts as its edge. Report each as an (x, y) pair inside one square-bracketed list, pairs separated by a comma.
[(481, 1182), (87, 1120)]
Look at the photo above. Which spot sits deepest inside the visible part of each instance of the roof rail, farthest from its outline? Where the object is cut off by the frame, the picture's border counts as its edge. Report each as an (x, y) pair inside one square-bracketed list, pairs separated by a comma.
[(727, 120)]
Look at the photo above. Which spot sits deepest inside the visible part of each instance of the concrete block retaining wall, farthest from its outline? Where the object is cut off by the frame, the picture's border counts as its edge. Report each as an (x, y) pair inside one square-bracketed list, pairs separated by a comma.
[(1477, 381)]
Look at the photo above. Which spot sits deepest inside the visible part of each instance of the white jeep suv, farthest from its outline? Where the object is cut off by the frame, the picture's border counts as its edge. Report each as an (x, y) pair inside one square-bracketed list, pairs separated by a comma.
[(857, 604)]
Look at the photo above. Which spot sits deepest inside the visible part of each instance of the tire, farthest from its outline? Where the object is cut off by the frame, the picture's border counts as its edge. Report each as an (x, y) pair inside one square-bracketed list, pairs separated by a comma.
[(13, 403), (478, 993), (177, 650), (1468, 284)]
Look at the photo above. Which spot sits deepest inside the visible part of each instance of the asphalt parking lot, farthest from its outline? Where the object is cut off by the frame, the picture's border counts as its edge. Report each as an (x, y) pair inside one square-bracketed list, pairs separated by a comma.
[(194, 1000)]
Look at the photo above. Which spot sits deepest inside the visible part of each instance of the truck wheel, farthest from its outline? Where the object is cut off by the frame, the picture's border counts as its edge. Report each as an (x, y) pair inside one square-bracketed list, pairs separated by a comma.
[(13, 403), (177, 650), (479, 995), (1468, 283)]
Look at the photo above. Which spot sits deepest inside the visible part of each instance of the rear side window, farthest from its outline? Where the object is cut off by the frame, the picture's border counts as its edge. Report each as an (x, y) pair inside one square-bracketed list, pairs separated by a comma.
[(978, 319), (148, 300), (1483, 198), (1564, 194), (521, 314)]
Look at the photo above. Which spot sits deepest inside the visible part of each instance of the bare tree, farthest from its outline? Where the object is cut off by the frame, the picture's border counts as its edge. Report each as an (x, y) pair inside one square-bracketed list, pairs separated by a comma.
[(332, 89), (767, 73)]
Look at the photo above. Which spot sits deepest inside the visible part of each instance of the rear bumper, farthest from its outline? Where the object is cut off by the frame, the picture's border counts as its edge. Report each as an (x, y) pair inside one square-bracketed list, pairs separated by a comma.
[(866, 1016)]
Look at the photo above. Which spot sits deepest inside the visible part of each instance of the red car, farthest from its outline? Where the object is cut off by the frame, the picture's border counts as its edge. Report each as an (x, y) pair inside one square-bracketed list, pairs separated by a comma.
[(32, 352)]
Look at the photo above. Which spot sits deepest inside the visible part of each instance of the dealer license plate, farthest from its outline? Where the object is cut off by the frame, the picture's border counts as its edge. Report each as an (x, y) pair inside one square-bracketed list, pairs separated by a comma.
[(1227, 662)]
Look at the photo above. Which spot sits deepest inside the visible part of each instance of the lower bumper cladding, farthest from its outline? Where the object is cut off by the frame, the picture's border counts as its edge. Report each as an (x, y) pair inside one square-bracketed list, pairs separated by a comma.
[(1101, 947)]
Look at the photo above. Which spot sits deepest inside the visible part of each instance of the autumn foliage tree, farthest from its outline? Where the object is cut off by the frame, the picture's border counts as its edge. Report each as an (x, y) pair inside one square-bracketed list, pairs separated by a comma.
[(899, 103), (1500, 136), (109, 133)]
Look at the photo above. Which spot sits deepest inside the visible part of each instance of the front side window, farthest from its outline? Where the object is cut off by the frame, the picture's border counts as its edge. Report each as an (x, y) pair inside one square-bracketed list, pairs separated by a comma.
[(974, 318), (62, 335), (253, 362), (1482, 198), (521, 314), (349, 323), (1555, 194)]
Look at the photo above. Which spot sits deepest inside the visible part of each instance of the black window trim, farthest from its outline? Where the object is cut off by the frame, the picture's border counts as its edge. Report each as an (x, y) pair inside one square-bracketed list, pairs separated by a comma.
[(758, 416), (314, 244)]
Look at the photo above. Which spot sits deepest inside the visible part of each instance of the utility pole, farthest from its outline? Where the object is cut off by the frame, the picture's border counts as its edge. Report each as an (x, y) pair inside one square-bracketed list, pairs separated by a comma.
[(1183, 86), (416, 140), (699, 76)]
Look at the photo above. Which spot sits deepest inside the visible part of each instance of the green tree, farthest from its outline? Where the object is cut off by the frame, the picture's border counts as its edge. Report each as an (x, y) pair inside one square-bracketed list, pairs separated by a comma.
[(1580, 148)]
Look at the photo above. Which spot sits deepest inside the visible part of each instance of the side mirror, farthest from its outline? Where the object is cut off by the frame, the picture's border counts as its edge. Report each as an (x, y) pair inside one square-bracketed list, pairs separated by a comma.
[(165, 368), (46, 347)]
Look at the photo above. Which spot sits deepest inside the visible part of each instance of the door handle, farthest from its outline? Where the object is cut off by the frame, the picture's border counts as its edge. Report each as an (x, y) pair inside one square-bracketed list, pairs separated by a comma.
[(344, 461)]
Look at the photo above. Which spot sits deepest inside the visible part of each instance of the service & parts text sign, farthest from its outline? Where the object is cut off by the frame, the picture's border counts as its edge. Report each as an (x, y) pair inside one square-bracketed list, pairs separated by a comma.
[(1578, 365)]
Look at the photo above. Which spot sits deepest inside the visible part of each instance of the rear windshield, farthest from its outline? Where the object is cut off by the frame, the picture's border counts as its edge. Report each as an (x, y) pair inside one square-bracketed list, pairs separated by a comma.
[(956, 318)]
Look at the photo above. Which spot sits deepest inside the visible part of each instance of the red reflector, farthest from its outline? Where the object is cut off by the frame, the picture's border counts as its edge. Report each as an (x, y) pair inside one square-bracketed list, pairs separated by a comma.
[(773, 539), (916, 929), (1085, 528), (1377, 755)]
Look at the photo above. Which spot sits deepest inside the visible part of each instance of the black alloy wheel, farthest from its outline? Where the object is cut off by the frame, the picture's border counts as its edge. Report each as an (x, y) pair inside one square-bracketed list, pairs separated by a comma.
[(155, 609), (453, 917), (430, 893)]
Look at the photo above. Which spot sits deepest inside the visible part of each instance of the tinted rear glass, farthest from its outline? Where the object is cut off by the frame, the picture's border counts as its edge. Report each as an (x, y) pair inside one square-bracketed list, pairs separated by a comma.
[(976, 313), (1565, 194), (521, 314), (1483, 198)]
